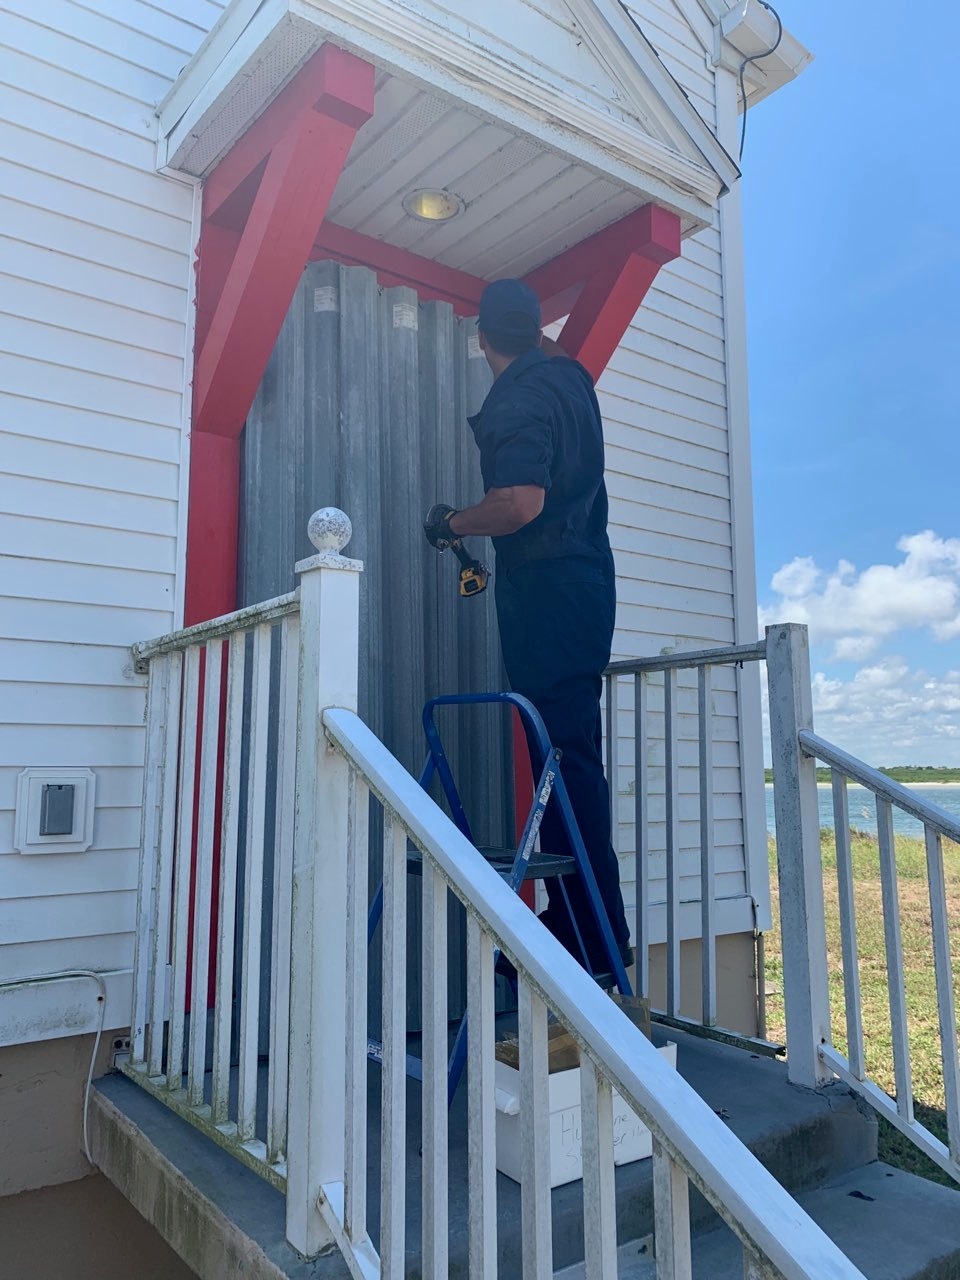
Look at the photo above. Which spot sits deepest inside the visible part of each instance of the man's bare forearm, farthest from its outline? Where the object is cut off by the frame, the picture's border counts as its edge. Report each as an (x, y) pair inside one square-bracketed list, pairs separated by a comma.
[(502, 511)]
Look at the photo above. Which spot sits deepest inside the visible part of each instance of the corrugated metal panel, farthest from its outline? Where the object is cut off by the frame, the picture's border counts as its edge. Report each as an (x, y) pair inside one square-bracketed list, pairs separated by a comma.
[(364, 406)]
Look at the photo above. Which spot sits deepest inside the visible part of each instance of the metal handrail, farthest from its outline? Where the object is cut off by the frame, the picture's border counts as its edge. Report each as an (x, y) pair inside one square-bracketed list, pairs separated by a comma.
[(202, 632), (765, 1217), (721, 656), (897, 794)]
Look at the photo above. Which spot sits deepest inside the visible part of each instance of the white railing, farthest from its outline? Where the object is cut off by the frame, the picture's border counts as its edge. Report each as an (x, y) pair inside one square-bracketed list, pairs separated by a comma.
[(212, 1030), (666, 689), (210, 719), (813, 1057), (235, 682), (691, 1143)]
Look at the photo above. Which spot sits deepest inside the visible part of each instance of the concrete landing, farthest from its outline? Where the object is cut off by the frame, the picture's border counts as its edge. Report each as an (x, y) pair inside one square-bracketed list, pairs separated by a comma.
[(218, 1210), (214, 1213), (890, 1224)]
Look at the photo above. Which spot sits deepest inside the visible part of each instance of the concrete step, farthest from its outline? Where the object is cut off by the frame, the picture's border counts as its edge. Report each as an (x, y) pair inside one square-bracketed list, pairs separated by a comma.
[(892, 1225), (192, 1190)]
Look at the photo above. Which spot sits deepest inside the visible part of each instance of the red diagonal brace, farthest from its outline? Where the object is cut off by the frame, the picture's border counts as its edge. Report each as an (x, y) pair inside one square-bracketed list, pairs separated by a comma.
[(602, 313), (333, 83), (288, 208), (271, 190), (601, 282)]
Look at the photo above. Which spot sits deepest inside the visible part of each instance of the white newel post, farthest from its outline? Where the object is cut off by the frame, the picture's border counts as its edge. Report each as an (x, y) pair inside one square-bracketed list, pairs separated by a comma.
[(329, 645), (802, 923)]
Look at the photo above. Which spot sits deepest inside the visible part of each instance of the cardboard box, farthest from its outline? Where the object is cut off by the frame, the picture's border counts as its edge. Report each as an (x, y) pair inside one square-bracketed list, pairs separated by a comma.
[(631, 1138)]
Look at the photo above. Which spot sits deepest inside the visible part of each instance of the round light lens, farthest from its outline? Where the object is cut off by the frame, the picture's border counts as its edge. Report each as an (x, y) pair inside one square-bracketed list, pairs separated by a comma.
[(433, 206)]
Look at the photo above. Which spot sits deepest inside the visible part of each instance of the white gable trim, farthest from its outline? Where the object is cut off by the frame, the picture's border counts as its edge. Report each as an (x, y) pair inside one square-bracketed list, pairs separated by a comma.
[(621, 45), (441, 56)]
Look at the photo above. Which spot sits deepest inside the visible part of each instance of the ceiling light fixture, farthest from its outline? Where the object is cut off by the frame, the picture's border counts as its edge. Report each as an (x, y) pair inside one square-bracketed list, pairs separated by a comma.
[(433, 206)]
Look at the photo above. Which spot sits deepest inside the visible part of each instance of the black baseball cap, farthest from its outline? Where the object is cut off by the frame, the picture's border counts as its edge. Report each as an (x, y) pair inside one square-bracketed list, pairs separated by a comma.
[(509, 308)]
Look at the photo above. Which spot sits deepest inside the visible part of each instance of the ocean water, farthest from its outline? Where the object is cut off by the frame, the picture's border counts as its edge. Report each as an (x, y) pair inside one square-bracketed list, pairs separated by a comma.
[(863, 812)]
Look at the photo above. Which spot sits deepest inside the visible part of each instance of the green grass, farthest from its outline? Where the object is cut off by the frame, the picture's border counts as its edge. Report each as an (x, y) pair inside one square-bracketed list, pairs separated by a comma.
[(918, 975), (899, 773)]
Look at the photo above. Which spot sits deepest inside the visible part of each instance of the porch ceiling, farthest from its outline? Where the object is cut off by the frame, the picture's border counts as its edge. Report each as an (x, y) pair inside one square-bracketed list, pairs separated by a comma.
[(523, 203), (538, 163)]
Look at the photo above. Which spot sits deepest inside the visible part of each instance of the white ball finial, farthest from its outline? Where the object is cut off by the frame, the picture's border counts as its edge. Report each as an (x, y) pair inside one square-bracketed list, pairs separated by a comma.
[(329, 529)]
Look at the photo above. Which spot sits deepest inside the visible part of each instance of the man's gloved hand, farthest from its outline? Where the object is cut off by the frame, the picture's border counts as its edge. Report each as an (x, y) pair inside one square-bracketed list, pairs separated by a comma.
[(437, 526)]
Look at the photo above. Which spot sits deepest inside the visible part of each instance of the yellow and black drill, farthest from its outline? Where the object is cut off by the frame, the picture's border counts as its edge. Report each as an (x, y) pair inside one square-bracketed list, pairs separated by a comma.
[(474, 575)]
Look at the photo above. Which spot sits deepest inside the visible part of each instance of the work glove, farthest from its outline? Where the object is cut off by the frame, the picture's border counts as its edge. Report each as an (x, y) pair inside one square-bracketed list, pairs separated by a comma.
[(437, 526)]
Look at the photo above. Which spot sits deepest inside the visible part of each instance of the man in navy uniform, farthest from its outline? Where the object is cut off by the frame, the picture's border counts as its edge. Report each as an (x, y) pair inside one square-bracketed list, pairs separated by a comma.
[(545, 507)]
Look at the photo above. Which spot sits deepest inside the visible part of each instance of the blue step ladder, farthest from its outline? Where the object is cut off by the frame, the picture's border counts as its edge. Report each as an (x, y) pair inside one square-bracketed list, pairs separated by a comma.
[(514, 865)]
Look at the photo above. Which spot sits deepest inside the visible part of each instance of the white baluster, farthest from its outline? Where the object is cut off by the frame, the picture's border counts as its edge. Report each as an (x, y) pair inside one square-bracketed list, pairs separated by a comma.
[(481, 1114), (160, 968), (229, 860), (848, 924), (672, 785), (642, 833), (253, 889), (393, 1141), (282, 891), (149, 855), (535, 1137), (708, 929), (183, 859), (671, 1214), (599, 1187), (203, 875), (435, 1171), (355, 1169), (943, 968), (893, 941)]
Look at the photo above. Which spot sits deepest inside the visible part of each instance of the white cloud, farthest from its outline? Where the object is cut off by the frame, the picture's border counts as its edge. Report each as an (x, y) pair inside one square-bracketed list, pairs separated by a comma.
[(889, 713), (857, 610), (854, 648)]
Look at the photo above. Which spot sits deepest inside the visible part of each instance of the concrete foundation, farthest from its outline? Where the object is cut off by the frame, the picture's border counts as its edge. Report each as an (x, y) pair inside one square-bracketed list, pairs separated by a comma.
[(83, 1230), (41, 1111), (736, 981)]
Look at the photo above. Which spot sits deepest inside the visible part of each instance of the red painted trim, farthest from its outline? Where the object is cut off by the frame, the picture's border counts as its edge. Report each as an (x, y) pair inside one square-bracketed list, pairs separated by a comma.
[(652, 232), (283, 223), (431, 279), (213, 521), (604, 310), (215, 254), (334, 83)]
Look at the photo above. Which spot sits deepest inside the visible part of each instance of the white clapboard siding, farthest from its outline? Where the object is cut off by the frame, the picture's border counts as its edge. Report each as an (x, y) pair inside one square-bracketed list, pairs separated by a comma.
[(668, 476), (685, 56), (96, 264)]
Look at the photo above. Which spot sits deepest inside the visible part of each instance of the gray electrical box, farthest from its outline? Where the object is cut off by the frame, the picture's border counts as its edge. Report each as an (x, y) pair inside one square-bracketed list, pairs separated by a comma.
[(56, 809)]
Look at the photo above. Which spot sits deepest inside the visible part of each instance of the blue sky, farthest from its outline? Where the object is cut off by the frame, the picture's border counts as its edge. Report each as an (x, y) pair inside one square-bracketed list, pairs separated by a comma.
[(853, 295)]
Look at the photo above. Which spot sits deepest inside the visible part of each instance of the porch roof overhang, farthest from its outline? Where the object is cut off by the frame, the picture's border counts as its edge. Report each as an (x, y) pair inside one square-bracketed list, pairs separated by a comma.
[(545, 148)]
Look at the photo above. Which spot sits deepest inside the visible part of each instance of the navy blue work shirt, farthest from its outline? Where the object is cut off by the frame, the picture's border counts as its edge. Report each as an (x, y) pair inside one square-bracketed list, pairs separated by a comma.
[(540, 424)]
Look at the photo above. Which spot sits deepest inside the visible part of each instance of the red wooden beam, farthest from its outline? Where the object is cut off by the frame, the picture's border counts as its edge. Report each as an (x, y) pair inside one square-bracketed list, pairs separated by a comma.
[(401, 266), (652, 232), (288, 209), (333, 83), (602, 313), (213, 521), (286, 167)]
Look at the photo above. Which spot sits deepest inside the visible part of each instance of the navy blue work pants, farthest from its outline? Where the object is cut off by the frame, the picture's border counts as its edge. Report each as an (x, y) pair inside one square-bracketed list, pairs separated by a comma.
[(556, 620)]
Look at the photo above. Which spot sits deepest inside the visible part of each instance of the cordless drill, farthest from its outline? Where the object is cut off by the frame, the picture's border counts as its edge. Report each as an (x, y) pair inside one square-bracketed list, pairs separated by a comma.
[(474, 576)]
